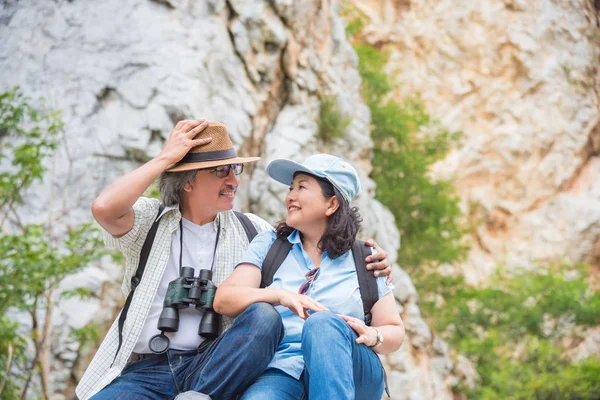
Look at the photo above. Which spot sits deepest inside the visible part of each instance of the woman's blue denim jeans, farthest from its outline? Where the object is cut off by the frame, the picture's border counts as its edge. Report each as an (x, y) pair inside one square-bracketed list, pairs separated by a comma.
[(336, 368), (222, 370)]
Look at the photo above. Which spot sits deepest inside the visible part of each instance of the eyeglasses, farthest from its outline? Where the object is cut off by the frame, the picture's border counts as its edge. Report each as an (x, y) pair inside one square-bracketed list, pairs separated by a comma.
[(223, 170), (311, 276)]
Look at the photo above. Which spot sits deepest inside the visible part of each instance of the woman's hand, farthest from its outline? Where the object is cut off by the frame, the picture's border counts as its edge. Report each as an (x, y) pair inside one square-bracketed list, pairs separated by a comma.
[(366, 334), (299, 304), (181, 140)]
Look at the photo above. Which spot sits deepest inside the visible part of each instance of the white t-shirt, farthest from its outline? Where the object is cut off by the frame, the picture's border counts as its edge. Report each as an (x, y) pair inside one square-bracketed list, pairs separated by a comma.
[(198, 252)]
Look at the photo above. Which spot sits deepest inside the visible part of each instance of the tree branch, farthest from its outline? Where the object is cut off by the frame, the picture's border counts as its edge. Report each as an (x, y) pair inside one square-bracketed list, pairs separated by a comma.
[(7, 370)]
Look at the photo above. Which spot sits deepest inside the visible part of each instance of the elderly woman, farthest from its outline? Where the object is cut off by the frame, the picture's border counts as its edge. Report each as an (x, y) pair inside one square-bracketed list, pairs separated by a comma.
[(328, 351)]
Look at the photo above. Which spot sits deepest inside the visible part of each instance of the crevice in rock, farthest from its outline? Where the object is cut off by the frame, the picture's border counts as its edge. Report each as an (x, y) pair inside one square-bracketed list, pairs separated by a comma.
[(131, 68), (510, 5), (166, 3), (175, 114), (231, 17), (264, 119), (109, 94), (8, 8), (539, 202), (275, 96), (155, 136), (5, 20), (596, 8), (480, 243), (590, 150), (284, 20), (131, 154), (105, 94)]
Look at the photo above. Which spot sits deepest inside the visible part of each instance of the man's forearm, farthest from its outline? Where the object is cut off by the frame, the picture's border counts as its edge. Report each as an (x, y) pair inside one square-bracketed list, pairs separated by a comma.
[(117, 200)]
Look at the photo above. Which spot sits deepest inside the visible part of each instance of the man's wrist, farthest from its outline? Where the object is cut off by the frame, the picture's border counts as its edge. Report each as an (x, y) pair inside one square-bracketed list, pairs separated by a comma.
[(164, 160)]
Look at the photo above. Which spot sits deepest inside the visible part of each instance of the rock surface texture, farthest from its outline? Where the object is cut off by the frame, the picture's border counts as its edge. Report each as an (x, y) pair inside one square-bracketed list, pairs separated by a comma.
[(124, 72), (520, 80)]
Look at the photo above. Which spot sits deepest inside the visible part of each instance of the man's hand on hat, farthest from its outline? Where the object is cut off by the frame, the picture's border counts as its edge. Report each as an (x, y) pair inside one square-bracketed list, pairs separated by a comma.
[(379, 261), (181, 140)]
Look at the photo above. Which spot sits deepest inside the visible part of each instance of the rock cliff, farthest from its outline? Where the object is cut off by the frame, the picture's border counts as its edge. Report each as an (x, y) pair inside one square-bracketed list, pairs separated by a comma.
[(124, 72)]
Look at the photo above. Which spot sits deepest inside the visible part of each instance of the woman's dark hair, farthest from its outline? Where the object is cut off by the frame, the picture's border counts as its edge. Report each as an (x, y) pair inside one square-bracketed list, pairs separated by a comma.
[(342, 226)]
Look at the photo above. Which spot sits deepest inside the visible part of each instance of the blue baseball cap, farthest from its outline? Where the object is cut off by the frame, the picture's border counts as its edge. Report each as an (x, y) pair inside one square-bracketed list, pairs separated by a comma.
[(336, 170)]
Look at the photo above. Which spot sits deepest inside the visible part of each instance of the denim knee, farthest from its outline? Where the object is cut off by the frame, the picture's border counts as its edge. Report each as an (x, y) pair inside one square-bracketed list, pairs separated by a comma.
[(323, 324), (263, 315), (263, 321)]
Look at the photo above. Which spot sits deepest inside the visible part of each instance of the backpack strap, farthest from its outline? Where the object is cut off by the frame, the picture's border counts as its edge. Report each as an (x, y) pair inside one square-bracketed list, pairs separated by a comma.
[(275, 256), (137, 278), (247, 224), (367, 282)]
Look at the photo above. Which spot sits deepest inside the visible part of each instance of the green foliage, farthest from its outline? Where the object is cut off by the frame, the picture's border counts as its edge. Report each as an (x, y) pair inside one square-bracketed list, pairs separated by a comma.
[(518, 303), (86, 334), (426, 211), (34, 261), (12, 347), (81, 292), (355, 19), (375, 81), (540, 372), (355, 26), (31, 265), (332, 122), (153, 191), (407, 142), (511, 329), (33, 137)]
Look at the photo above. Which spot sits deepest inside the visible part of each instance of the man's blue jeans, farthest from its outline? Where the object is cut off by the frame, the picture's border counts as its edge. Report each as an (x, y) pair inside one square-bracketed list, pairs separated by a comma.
[(336, 368), (222, 370)]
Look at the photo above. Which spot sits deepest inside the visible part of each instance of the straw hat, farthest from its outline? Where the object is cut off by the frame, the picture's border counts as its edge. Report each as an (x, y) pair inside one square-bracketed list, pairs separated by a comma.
[(218, 152)]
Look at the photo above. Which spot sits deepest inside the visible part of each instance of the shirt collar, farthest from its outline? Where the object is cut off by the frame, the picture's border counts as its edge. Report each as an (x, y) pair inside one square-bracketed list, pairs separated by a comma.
[(169, 209), (294, 237)]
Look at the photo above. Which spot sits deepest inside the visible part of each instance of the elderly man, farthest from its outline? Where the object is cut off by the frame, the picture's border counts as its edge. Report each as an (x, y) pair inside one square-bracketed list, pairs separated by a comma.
[(196, 228)]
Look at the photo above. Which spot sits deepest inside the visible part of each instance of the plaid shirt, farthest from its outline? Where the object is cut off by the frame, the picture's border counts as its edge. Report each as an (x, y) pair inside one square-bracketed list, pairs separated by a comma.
[(232, 242)]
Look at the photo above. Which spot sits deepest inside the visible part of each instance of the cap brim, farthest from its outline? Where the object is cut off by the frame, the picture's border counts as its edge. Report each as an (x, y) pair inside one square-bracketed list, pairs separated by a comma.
[(210, 164), (283, 170)]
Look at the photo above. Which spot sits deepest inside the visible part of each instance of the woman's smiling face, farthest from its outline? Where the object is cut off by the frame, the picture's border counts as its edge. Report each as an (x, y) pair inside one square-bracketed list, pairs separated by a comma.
[(306, 205)]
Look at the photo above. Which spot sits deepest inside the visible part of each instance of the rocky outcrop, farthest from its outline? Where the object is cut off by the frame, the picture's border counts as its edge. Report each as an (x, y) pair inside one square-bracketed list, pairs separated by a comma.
[(520, 79), (124, 72)]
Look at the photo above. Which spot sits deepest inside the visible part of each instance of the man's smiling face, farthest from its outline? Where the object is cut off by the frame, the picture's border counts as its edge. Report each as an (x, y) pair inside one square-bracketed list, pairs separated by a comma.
[(212, 193)]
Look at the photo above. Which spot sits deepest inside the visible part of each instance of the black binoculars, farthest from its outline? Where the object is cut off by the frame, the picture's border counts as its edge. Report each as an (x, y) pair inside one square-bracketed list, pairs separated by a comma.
[(181, 293)]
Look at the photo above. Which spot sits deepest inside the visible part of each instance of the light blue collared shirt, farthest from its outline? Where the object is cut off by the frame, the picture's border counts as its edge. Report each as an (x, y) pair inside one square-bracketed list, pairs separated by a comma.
[(336, 287)]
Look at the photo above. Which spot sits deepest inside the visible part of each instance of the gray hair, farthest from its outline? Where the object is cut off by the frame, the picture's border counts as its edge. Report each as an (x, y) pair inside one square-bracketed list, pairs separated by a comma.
[(171, 185)]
